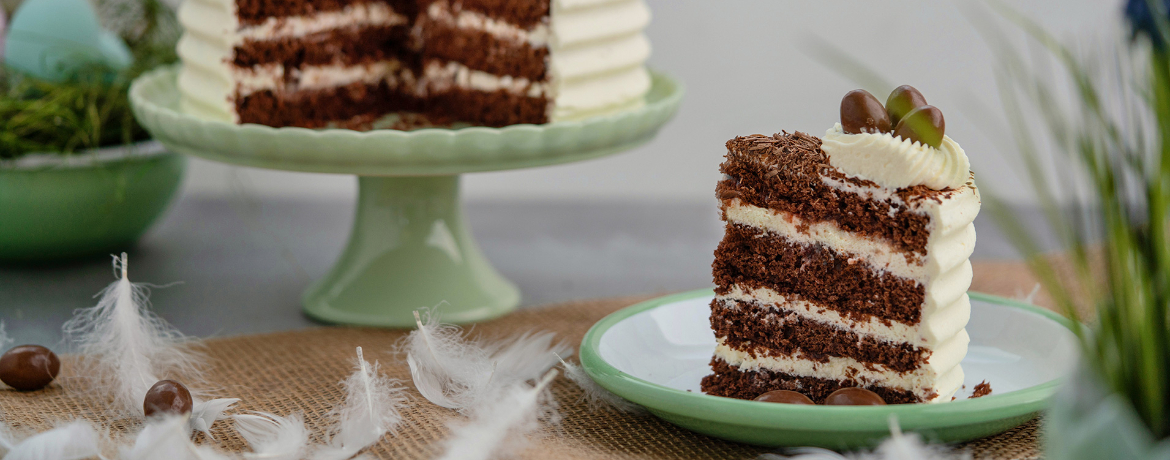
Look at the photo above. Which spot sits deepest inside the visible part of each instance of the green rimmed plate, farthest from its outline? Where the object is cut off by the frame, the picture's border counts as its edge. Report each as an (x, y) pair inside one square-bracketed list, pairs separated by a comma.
[(654, 354)]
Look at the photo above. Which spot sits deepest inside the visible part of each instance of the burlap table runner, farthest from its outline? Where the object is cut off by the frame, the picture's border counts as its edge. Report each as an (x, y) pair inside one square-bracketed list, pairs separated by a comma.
[(300, 371)]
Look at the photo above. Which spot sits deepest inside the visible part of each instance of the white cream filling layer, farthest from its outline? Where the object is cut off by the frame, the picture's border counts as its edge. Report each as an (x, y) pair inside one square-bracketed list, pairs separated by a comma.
[(942, 375), (953, 210), (355, 15), (943, 251), (440, 11), (442, 77), (272, 76), (895, 162), (935, 328)]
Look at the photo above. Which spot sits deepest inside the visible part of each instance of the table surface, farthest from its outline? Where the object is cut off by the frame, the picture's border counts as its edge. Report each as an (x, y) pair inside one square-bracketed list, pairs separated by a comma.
[(237, 265)]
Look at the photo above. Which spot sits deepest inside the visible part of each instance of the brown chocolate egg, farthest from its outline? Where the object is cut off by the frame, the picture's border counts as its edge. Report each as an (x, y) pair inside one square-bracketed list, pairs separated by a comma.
[(924, 124), (29, 367), (854, 397), (167, 397), (784, 397), (863, 113), (901, 101)]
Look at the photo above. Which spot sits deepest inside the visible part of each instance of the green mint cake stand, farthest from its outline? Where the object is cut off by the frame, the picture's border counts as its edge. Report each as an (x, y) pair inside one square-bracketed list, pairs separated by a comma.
[(409, 246)]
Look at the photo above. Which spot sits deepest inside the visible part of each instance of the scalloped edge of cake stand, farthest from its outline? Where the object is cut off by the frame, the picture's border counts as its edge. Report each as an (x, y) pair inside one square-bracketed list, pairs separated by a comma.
[(384, 152)]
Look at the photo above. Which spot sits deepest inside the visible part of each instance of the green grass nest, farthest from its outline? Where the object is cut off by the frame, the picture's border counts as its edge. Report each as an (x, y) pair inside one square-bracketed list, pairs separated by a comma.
[(90, 109)]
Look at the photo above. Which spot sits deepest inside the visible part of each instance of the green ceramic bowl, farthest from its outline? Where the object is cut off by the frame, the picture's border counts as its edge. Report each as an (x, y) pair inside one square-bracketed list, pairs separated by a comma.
[(654, 354), (56, 207)]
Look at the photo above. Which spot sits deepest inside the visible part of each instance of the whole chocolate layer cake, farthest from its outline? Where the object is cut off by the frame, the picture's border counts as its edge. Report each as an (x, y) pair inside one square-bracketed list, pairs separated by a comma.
[(313, 63), (844, 264)]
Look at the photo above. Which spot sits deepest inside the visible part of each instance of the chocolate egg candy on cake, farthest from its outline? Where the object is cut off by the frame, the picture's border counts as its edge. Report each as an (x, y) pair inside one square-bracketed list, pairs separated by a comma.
[(167, 397), (784, 397), (901, 101), (853, 396), (29, 367), (924, 124), (863, 113)]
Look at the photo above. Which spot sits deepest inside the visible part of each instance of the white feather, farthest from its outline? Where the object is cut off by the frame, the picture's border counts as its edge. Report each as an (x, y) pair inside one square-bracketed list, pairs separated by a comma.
[(593, 394), (525, 357), (205, 413), (5, 340), (461, 374), (909, 446), (898, 446), (501, 428), (128, 345), (130, 348), (273, 437), (168, 438), (73, 441), (446, 369), (370, 410)]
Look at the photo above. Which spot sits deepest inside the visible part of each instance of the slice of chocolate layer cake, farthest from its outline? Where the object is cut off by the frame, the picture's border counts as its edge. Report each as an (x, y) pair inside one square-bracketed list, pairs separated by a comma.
[(845, 260)]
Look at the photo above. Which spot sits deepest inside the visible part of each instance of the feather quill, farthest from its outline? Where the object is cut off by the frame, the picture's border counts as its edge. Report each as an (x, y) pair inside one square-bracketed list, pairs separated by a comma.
[(72, 441), (168, 438), (595, 395), (130, 347), (899, 446), (205, 413), (461, 374), (370, 410), (273, 437), (502, 427)]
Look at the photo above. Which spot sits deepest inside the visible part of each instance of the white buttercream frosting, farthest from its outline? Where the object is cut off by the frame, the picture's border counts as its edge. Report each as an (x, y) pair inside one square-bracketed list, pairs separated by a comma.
[(895, 162)]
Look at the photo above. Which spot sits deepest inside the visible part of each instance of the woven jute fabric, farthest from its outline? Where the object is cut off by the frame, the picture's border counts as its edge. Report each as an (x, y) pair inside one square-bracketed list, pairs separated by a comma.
[(301, 371)]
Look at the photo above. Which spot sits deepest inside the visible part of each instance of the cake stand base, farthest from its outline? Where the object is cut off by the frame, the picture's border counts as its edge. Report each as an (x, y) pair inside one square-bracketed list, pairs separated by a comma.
[(409, 248)]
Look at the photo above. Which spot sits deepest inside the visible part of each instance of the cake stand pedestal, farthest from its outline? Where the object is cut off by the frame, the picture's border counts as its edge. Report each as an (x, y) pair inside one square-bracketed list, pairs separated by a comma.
[(409, 247)]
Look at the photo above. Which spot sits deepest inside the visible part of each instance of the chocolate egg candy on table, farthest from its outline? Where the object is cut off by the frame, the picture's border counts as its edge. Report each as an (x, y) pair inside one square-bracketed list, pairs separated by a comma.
[(901, 101), (29, 367), (167, 397), (924, 124), (853, 396), (863, 113), (784, 397)]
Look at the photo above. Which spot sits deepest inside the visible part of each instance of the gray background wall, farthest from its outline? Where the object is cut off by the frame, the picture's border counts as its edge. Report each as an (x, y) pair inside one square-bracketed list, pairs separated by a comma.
[(747, 68)]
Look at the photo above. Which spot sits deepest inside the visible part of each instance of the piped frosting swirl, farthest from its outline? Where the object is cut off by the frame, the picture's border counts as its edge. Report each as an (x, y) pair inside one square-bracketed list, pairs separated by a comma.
[(896, 162)]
